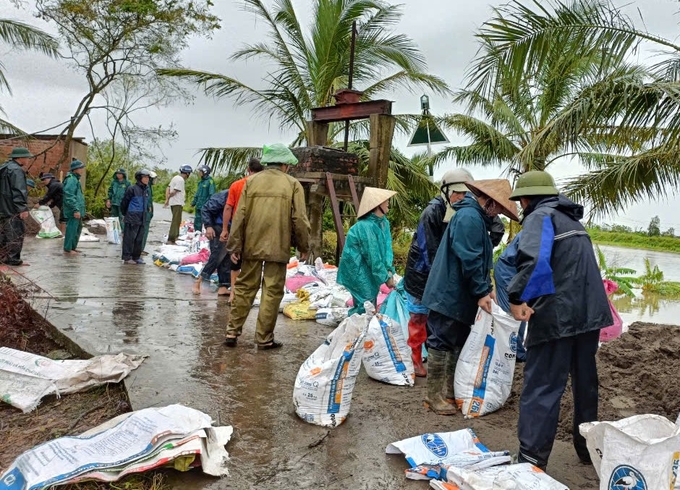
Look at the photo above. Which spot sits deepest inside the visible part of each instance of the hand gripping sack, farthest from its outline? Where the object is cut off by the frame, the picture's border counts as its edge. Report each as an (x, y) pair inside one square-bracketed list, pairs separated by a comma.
[(486, 366), (386, 355), (113, 230), (45, 218), (324, 384), (638, 453)]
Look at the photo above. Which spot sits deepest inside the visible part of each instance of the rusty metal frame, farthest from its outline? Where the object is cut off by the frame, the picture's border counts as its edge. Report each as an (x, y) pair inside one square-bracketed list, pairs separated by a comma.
[(348, 112)]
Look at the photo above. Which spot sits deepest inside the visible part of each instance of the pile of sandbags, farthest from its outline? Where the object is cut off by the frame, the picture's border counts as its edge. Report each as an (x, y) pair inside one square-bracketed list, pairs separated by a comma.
[(173, 436)]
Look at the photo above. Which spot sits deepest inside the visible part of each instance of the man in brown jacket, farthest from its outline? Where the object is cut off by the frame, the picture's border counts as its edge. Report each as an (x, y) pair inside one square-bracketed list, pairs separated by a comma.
[(270, 213)]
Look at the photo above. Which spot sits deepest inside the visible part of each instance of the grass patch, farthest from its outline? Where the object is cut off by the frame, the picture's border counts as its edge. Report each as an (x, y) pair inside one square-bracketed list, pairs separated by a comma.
[(635, 240)]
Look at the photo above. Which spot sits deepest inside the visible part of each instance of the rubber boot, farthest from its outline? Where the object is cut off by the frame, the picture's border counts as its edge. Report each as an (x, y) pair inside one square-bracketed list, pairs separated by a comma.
[(450, 369), (435, 381), (417, 357)]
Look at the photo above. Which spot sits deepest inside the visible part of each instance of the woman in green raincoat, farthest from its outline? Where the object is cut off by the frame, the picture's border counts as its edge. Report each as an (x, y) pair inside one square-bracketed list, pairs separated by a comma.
[(366, 261)]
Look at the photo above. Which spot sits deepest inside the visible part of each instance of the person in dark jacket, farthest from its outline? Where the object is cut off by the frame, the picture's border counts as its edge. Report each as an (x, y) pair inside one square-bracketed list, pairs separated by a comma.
[(212, 212), (13, 206), (117, 189), (426, 239), (206, 188), (54, 197), (74, 207), (149, 211), (559, 291), (134, 208), (460, 281)]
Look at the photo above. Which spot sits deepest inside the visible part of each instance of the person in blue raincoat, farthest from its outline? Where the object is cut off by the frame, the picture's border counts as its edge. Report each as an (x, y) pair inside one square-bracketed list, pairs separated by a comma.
[(366, 261), (460, 281)]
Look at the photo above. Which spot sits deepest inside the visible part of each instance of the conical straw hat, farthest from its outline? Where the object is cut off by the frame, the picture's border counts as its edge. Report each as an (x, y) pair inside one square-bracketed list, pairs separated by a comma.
[(499, 190), (372, 198)]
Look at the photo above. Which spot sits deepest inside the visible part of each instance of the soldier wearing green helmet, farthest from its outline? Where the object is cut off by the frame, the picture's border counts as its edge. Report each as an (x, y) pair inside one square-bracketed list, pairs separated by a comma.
[(13, 206), (74, 207), (559, 291)]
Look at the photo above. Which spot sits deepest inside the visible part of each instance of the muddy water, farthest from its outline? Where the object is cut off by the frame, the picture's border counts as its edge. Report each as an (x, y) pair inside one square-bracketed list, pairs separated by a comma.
[(647, 307)]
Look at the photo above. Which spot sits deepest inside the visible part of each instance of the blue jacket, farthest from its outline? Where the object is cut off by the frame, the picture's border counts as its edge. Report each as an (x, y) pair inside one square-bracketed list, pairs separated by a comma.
[(460, 274), (135, 204), (557, 273), (213, 209), (503, 272)]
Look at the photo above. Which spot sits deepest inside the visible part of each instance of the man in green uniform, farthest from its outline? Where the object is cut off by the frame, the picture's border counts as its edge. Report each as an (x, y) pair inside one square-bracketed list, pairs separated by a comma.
[(13, 206), (206, 188), (270, 213), (117, 189), (149, 211), (74, 207)]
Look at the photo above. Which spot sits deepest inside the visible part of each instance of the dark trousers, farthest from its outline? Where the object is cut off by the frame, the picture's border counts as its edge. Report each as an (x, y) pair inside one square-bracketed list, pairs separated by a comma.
[(444, 333), (117, 213), (132, 241), (147, 225), (546, 371), (176, 221), (12, 232), (219, 260)]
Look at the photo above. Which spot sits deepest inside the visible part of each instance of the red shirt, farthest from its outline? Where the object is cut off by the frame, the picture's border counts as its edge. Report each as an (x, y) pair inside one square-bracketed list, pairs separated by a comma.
[(235, 191)]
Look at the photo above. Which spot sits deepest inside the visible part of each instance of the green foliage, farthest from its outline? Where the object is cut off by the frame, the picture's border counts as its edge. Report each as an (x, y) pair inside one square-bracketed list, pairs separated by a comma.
[(639, 240), (654, 228), (620, 275)]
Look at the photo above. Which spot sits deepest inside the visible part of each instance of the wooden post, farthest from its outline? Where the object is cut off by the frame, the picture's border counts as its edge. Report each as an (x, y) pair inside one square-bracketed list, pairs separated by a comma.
[(315, 204), (382, 130), (318, 133)]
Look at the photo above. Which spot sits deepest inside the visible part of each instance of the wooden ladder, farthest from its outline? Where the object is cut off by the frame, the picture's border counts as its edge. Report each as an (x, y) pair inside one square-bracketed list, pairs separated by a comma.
[(337, 215)]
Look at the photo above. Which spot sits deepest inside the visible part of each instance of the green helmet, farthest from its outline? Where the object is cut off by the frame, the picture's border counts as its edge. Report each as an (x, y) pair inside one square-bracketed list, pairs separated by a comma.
[(534, 183), (277, 154)]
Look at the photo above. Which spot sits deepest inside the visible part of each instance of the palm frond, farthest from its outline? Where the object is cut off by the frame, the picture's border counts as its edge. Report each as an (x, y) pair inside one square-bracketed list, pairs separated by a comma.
[(228, 160)]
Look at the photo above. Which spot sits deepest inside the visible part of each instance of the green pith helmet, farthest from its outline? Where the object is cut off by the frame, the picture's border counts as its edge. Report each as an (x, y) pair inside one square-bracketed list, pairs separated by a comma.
[(534, 183), (30, 183), (20, 152), (278, 154), (76, 164)]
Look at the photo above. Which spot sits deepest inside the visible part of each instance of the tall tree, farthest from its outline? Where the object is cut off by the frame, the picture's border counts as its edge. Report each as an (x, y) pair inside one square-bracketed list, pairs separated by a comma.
[(640, 115), (19, 35), (309, 65), (107, 40)]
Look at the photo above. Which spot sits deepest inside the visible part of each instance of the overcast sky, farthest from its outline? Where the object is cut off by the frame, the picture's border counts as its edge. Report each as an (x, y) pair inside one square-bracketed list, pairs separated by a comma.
[(46, 92)]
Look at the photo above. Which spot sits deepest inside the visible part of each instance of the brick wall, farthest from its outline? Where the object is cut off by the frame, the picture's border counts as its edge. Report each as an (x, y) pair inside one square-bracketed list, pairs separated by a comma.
[(50, 150)]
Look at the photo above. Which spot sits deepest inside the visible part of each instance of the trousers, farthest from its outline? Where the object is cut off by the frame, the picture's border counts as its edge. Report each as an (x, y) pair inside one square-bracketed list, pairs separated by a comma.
[(12, 231), (272, 276), (117, 213), (132, 241), (73, 229), (444, 333), (547, 368), (198, 221), (176, 221), (147, 225), (219, 260)]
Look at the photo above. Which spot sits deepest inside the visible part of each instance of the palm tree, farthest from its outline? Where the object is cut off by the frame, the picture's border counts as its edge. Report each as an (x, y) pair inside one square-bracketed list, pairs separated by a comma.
[(309, 66), (637, 116), (22, 36)]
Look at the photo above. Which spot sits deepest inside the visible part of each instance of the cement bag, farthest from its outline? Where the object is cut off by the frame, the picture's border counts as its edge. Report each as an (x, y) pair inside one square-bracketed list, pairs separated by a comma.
[(45, 218), (331, 317), (640, 452), (512, 477), (486, 366), (324, 384), (113, 230), (436, 448), (386, 356)]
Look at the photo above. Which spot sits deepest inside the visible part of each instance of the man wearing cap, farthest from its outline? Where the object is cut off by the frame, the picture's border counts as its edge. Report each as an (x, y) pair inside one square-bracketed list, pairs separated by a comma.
[(206, 188), (460, 280), (558, 290), (426, 239), (117, 189), (13, 206), (212, 214), (366, 261), (54, 198), (74, 207), (175, 196), (271, 211)]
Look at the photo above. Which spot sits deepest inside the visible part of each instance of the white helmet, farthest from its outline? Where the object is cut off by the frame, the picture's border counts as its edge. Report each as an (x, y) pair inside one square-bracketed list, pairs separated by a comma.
[(454, 180)]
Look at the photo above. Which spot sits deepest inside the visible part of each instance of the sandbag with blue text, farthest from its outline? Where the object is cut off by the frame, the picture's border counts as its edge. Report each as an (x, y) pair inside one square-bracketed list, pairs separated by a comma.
[(486, 366), (324, 384), (386, 356)]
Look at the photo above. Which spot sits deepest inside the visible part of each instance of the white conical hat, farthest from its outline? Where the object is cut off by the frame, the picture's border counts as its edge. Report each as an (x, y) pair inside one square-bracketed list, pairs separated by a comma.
[(372, 198)]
